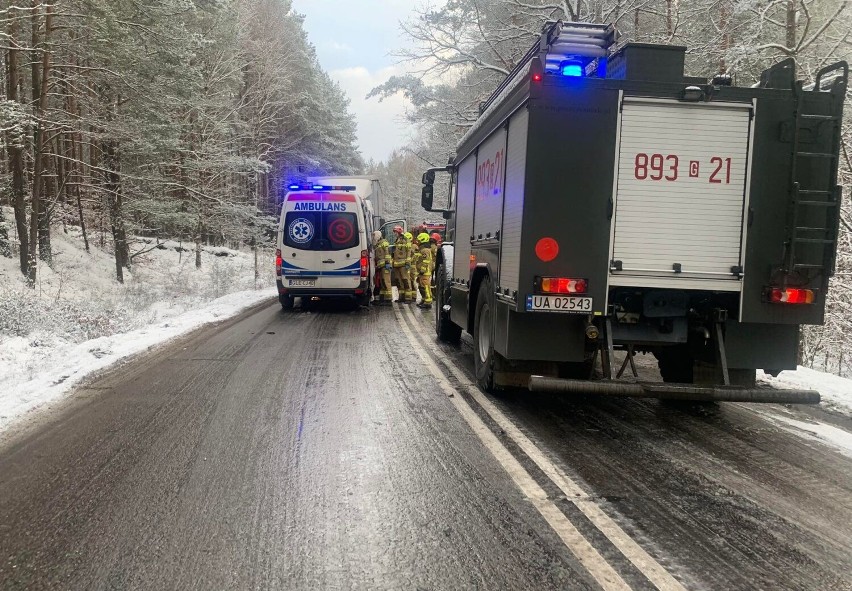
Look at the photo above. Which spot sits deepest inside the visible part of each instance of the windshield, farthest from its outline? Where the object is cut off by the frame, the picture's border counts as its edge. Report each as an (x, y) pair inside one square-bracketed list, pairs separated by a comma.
[(313, 230)]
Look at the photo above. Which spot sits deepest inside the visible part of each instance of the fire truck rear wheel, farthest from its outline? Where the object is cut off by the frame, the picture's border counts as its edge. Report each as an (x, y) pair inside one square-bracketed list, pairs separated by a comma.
[(483, 336), (286, 301), (675, 364)]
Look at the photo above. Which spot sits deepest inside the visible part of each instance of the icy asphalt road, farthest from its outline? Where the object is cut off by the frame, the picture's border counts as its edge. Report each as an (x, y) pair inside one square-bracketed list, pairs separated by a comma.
[(326, 450)]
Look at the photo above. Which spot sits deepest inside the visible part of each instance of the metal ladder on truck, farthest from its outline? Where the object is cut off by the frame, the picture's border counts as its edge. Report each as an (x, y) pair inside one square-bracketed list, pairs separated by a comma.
[(811, 205)]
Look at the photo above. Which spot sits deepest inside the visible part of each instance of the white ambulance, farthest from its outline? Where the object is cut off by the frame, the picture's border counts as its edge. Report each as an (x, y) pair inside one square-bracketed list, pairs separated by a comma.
[(324, 246)]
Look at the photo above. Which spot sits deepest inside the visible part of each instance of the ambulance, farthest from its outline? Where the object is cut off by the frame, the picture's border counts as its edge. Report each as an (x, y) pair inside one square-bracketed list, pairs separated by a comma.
[(324, 248)]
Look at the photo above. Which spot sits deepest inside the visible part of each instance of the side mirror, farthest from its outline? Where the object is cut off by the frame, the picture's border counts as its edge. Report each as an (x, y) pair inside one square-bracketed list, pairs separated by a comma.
[(429, 178), (426, 197)]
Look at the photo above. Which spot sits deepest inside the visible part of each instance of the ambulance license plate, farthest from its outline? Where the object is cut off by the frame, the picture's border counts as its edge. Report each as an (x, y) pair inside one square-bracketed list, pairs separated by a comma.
[(302, 282), (551, 303)]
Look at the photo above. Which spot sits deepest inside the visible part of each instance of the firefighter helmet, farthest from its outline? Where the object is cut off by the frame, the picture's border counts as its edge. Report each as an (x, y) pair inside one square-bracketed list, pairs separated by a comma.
[(423, 238), (397, 229)]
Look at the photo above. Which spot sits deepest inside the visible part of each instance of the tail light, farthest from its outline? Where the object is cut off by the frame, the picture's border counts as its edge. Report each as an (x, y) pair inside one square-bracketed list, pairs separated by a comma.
[(278, 261), (365, 264), (789, 295), (562, 285)]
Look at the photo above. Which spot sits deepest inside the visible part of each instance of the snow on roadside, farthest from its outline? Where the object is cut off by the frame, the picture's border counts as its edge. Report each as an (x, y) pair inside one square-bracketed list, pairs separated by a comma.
[(836, 391), (33, 376), (80, 320), (811, 430)]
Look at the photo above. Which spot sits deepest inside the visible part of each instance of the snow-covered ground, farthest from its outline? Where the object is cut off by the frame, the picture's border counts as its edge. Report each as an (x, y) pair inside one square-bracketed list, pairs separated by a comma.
[(79, 320), (836, 391)]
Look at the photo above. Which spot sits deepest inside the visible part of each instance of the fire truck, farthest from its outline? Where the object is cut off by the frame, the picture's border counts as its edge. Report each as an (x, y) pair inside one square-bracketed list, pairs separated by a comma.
[(604, 201)]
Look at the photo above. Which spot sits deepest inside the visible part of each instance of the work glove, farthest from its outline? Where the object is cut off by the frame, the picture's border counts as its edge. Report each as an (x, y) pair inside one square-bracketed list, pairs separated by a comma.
[(388, 266), (407, 266)]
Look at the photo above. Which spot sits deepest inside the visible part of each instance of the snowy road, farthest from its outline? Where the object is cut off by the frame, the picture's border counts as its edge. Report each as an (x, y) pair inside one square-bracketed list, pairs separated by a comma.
[(338, 450)]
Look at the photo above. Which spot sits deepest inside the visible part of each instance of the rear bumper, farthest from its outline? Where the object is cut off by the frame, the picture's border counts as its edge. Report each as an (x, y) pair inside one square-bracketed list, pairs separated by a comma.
[(352, 292), (673, 391)]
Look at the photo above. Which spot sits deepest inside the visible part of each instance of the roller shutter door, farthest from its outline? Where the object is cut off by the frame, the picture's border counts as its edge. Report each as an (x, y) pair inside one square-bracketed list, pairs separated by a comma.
[(682, 171)]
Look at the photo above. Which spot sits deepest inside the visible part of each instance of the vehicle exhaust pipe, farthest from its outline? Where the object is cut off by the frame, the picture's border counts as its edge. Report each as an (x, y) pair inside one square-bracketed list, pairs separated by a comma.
[(687, 392)]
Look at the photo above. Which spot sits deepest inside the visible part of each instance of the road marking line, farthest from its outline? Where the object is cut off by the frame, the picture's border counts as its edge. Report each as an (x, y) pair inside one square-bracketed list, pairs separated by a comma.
[(588, 556), (631, 550)]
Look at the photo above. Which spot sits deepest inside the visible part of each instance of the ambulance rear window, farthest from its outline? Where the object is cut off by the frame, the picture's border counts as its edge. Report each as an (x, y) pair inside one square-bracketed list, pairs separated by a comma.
[(314, 230)]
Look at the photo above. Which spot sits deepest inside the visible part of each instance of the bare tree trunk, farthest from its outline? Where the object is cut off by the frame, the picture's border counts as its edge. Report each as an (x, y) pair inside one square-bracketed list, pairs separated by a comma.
[(5, 248), (792, 21), (75, 187), (15, 149), (41, 79), (725, 11), (115, 204), (45, 252), (199, 230)]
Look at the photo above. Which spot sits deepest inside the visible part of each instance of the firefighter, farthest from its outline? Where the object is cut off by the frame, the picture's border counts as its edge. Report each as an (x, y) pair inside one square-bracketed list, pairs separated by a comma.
[(384, 264), (401, 265), (412, 271), (416, 258), (424, 270), (434, 245)]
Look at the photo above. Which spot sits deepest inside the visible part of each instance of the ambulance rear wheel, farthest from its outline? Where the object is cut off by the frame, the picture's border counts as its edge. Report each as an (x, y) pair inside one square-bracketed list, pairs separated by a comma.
[(483, 336), (286, 301)]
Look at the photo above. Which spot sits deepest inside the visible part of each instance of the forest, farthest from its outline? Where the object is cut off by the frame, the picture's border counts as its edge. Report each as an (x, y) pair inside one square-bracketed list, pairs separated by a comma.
[(161, 118)]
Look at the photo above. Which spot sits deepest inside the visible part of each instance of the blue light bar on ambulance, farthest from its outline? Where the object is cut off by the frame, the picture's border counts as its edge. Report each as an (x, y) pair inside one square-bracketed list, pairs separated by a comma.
[(310, 187), (572, 69)]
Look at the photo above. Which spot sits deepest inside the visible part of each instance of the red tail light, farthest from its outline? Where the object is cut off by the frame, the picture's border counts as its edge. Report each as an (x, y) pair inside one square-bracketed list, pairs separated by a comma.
[(365, 264), (562, 285), (278, 261), (789, 295)]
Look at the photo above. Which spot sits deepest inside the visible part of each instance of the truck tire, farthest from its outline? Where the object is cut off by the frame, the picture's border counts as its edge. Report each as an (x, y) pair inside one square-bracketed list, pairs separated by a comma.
[(448, 331), (675, 364), (483, 336), (286, 301)]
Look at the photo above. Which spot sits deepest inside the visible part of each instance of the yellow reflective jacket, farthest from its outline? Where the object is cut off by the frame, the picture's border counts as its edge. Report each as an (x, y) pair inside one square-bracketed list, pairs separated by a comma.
[(382, 253), (425, 260), (401, 252)]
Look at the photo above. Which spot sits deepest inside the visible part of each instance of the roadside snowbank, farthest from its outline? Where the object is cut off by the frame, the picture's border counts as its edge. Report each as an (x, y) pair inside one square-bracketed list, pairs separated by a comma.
[(836, 391), (79, 319), (36, 371)]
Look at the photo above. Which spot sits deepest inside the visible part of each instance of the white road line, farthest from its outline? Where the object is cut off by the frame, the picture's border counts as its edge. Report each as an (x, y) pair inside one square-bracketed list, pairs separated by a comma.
[(643, 561), (597, 566)]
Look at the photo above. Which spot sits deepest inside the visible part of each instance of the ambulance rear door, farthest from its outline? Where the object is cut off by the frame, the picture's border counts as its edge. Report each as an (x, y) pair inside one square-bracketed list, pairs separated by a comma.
[(322, 241)]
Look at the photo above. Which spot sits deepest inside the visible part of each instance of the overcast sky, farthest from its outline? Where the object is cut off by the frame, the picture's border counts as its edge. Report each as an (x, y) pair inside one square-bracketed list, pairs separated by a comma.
[(354, 40)]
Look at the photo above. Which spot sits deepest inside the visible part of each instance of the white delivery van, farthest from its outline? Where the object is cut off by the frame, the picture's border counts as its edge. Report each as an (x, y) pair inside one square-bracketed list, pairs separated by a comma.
[(324, 246)]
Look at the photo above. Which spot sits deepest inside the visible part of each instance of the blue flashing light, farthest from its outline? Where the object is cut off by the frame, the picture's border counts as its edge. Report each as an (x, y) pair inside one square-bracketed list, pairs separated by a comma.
[(294, 187), (573, 69), (319, 187)]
